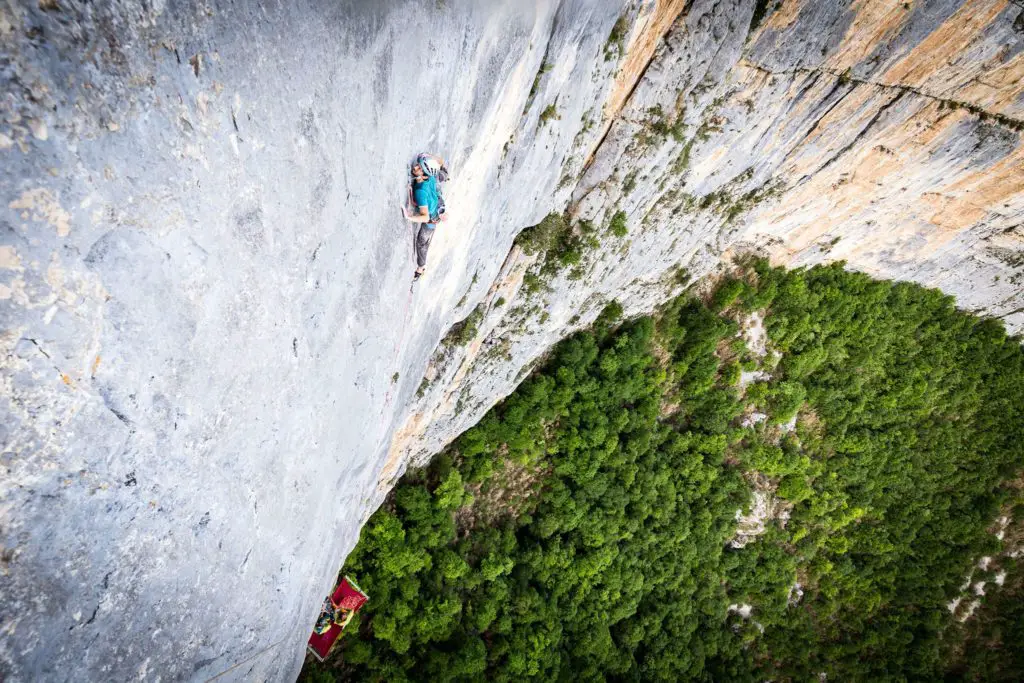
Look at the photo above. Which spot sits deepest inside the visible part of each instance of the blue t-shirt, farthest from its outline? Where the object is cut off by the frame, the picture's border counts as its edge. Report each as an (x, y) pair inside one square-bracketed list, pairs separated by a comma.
[(425, 194)]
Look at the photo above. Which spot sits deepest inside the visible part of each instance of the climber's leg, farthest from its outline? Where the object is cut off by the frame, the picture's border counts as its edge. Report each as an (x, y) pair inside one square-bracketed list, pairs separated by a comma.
[(423, 237)]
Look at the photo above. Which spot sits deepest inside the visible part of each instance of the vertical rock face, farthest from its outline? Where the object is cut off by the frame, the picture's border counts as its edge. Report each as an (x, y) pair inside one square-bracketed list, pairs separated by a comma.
[(213, 362)]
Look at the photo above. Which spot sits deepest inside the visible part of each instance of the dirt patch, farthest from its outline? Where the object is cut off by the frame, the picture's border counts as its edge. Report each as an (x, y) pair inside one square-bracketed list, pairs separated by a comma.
[(510, 492), (755, 335), (765, 507), (810, 423), (668, 407), (661, 354), (669, 404)]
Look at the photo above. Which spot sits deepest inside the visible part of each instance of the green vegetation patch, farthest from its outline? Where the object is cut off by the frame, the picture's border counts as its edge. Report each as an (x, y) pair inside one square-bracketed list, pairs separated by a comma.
[(464, 331), (614, 47), (629, 182), (550, 112), (617, 224), (657, 127), (563, 245), (581, 531)]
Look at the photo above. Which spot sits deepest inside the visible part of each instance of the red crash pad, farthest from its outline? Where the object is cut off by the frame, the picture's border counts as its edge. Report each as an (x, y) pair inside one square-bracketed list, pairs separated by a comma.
[(346, 595)]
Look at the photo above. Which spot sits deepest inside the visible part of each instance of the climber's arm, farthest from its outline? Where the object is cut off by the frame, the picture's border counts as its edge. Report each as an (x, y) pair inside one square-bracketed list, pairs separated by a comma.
[(422, 217)]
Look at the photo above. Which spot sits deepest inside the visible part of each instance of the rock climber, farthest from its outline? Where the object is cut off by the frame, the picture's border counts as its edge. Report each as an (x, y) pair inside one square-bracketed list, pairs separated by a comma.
[(427, 171)]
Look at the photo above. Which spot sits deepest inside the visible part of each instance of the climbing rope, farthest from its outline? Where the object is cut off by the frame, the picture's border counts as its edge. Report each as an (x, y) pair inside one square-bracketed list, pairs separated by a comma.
[(388, 398), (399, 346), (246, 660)]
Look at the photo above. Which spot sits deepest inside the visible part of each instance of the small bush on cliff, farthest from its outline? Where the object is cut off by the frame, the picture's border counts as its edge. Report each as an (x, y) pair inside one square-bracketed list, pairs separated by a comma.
[(561, 243), (617, 224), (614, 48), (464, 331), (544, 235), (550, 112)]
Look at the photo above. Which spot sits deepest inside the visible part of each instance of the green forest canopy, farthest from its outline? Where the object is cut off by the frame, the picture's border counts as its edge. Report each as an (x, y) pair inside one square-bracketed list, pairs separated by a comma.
[(581, 531)]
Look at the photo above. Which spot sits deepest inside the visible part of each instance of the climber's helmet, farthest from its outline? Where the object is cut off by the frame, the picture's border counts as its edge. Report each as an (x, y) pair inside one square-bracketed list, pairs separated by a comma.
[(428, 165)]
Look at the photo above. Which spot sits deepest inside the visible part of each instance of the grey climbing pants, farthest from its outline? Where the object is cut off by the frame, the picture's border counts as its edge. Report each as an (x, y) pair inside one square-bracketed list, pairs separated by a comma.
[(423, 237)]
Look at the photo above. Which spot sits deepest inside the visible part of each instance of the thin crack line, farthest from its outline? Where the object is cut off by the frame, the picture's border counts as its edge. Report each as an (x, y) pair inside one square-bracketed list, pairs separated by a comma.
[(1008, 121)]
